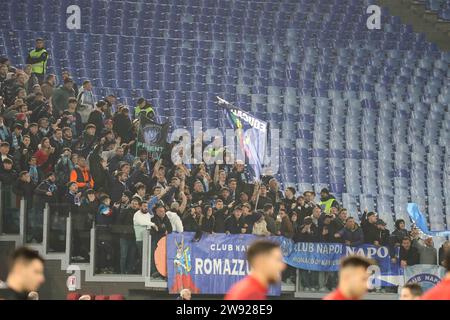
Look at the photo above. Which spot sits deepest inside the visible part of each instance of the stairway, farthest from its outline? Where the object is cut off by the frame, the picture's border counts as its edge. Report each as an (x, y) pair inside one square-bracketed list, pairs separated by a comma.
[(58, 264)]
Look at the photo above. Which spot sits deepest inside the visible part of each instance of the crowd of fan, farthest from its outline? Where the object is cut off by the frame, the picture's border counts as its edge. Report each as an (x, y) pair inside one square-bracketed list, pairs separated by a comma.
[(62, 147)]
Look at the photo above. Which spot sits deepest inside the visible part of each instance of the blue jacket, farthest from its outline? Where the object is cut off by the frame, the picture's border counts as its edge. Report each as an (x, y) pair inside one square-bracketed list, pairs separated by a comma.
[(355, 236)]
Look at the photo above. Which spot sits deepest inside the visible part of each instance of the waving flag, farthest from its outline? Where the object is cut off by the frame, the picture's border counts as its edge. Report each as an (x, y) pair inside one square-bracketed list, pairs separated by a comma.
[(421, 222), (251, 135), (152, 136)]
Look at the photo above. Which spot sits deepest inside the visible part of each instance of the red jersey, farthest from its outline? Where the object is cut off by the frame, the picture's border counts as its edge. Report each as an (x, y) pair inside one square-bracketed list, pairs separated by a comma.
[(440, 292), (335, 295), (248, 288)]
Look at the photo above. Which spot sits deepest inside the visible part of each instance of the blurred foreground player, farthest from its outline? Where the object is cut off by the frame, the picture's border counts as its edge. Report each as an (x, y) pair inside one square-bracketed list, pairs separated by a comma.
[(26, 274), (442, 290), (411, 291), (353, 279), (266, 265)]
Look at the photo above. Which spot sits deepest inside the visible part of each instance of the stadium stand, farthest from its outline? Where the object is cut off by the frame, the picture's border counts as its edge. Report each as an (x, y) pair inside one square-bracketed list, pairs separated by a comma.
[(361, 112)]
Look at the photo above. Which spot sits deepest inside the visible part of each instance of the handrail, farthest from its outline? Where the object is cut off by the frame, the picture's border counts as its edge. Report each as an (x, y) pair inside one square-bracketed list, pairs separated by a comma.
[(22, 221), (146, 254), (45, 228), (1, 209), (91, 268), (69, 238)]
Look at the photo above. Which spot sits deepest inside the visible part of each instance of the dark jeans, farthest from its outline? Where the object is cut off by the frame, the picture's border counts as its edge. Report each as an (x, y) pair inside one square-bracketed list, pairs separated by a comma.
[(154, 245), (127, 255), (34, 222), (139, 245), (105, 251)]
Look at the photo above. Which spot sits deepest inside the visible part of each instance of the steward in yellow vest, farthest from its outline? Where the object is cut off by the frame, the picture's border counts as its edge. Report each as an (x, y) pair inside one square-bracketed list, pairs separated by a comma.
[(144, 106), (327, 201), (38, 58)]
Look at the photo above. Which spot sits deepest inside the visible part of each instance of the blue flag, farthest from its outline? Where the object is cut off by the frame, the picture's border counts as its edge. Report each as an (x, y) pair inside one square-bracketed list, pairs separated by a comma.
[(211, 265), (421, 222), (251, 134)]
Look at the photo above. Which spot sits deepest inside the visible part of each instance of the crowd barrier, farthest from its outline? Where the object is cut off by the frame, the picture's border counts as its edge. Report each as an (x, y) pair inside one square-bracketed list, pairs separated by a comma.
[(56, 243)]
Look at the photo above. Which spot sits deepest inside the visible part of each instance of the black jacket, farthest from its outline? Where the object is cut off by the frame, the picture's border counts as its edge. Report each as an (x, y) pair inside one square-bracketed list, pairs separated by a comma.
[(208, 224), (113, 163), (124, 223), (371, 232), (190, 223), (329, 237), (233, 225), (96, 118), (8, 176), (89, 209), (164, 225), (411, 256), (117, 189), (123, 127), (43, 188), (24, 189), (312, 236), (102, 178), (220, 217), (383, 237)]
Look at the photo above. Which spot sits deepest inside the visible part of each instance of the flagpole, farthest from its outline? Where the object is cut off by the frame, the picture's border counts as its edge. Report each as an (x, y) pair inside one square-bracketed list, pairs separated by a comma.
[(258, 179)]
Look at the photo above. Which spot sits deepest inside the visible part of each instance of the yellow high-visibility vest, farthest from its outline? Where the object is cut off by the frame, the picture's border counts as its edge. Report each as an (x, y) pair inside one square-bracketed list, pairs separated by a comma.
[(326, 205), (39, 67)]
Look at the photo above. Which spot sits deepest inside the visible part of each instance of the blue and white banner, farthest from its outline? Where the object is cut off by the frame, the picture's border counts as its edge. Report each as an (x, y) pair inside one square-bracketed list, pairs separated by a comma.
[(427, 276), (209, 266), (421, 222), (327, 256), (251, 135)]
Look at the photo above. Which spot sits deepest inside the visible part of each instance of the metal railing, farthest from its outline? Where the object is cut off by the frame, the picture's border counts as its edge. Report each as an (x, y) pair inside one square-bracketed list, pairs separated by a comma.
[(147, 251)]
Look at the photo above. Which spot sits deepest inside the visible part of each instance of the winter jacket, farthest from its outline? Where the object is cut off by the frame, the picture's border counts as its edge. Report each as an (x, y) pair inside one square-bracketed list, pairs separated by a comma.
[(24, 189), (96, 118), (355, 236), (117, 189), (124, 224), (208, 224), (370, 232), (260, 228), (191, 223), (104, 215), (233, 225), (311, 236), (220, 217), (175, 220), (164, 226), (411, 256), (61, 97), (8, 176)]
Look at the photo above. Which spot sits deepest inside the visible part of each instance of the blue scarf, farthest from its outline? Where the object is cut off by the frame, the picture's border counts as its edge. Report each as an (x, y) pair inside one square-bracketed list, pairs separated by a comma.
[(34, 174)]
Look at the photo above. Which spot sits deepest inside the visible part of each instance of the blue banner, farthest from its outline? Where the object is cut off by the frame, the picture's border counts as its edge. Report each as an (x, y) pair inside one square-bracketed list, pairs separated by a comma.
[(209, 266), (421, 222), (427, 276), (327, 256), (251, 135)]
